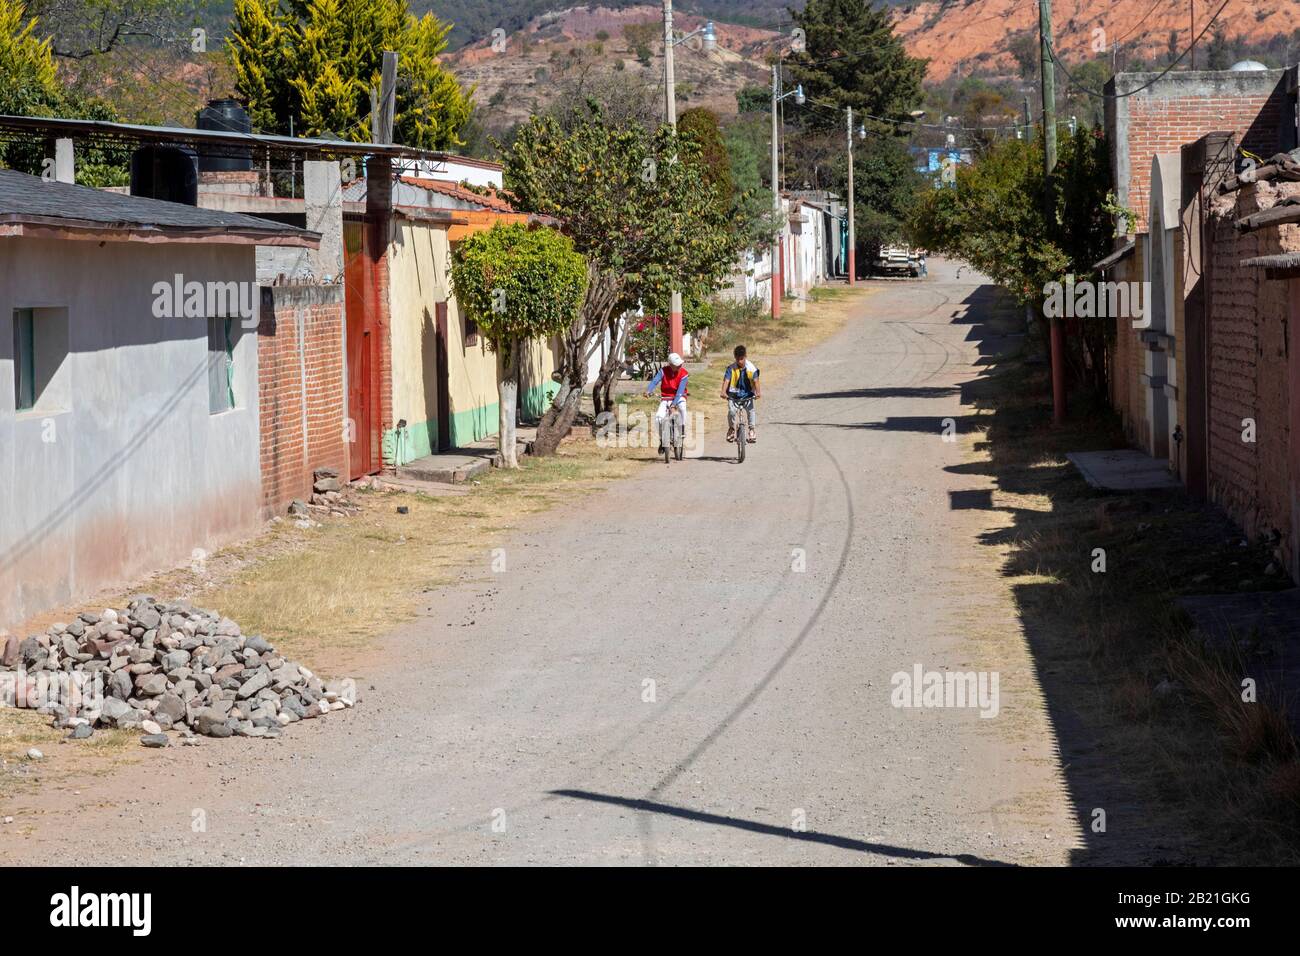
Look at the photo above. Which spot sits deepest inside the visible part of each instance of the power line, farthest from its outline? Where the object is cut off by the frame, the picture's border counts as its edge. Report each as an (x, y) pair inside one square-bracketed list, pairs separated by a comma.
[(1158, 77)]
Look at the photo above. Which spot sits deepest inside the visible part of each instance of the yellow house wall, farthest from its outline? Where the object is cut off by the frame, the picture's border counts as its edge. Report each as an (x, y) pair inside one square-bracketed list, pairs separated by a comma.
[(419, 278)]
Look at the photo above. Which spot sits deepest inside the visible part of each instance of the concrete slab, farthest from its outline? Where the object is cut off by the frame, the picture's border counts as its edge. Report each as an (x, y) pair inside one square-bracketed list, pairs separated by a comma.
[(1122, 470)]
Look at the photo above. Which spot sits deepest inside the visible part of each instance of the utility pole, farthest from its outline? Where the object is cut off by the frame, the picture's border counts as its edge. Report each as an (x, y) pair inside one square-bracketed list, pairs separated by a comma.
[(1191, 54), (1047, 74), (853, 235), (670, 115), (776, 194)]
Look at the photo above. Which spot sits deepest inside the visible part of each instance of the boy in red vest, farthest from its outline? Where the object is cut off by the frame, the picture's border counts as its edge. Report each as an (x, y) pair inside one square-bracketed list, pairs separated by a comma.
[(671, 380)]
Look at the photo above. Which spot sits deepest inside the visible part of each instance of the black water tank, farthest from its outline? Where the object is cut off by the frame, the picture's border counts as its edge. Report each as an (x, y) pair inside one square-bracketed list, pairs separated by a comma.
[(165, 172), (226, 116)]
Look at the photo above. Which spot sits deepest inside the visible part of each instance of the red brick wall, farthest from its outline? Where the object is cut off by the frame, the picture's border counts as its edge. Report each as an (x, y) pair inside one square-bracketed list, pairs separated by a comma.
[(302, 400), (1248, 373), (1185, 106)]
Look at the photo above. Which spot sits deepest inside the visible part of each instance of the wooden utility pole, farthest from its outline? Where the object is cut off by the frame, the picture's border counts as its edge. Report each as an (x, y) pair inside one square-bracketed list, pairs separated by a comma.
[(670, 117), (853, 235), (776, 194), (1047, 76), (382, 102), (1191, 52)]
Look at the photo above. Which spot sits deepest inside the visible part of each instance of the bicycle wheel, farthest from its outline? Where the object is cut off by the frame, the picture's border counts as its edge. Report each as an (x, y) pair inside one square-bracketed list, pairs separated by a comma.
[(679, 439), (742, 433)]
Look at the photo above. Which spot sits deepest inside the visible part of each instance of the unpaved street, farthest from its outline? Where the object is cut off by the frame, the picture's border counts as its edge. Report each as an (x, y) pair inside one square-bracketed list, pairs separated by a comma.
[(692, 667)]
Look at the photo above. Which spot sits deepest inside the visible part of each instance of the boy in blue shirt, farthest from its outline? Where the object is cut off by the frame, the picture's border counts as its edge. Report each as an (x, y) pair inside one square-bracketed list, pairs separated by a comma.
[(740, 387)]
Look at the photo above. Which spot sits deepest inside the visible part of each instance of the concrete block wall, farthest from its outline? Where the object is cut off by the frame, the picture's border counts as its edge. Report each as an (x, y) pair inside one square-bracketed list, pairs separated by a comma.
[(301, 390)]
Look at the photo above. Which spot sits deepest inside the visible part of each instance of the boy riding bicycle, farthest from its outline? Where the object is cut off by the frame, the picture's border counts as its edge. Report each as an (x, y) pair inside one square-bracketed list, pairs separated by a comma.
[(740, 387), (671, 380)]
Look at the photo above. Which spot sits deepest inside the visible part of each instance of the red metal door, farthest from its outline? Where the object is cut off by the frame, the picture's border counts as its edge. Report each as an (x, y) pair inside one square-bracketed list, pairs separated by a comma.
[(361, 319)]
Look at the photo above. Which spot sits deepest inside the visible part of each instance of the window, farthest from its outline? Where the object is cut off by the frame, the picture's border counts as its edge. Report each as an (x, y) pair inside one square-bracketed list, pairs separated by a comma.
[(471, 332), (41, 382), (221, 366), (24, 360)]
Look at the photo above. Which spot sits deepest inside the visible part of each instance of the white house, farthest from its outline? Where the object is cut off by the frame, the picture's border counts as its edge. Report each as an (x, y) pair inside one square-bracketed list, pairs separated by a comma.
[(129, 419)]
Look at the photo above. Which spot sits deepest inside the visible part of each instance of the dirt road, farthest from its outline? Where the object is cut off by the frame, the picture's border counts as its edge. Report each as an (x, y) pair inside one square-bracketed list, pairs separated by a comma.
[(694, 667)]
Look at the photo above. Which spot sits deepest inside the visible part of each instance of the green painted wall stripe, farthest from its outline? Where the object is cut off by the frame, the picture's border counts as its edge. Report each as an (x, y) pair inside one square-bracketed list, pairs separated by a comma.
[(467, 426)]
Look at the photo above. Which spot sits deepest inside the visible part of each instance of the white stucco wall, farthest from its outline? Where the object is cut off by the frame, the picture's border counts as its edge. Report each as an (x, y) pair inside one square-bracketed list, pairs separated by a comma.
[(130, 473)]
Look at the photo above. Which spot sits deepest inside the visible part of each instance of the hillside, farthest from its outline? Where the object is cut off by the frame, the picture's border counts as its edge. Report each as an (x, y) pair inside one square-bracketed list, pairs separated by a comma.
[(959, 37)]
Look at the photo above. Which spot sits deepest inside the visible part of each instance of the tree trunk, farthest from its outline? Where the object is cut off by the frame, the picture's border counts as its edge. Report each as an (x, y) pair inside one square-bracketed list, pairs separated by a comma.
[(508, 393), (603, 293)]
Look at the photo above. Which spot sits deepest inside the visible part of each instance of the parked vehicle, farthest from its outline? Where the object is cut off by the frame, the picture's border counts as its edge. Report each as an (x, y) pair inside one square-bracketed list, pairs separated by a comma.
[(897, 259)]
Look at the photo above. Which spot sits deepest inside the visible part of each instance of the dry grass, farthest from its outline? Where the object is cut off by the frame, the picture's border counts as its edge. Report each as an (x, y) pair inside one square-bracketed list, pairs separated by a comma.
[(21, 730), (1212, 780)]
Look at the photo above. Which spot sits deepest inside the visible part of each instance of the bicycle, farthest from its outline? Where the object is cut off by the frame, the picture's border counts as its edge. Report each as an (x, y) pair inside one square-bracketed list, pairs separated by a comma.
[(744, 417), (671, 434)]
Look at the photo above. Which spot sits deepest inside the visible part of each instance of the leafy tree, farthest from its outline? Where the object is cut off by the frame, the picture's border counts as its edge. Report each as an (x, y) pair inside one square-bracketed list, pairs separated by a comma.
[(29, 86), (1219, 53), (637, 205), (852, 57), (752, 199), (700, 126), (517, 284), (753, 99), (316, 61), (996, 219)]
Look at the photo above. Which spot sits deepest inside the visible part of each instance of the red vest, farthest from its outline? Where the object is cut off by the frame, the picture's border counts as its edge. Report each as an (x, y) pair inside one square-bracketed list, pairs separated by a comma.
[(672, 378)]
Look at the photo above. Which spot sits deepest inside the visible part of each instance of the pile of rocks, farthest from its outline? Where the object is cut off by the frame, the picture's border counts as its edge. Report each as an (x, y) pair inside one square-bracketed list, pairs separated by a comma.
[(161, 667), (329, 497)]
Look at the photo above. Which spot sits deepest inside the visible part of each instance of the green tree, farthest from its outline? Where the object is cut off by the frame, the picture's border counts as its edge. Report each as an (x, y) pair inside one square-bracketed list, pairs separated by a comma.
[(853, 57), (317, 61), (700, 126), (637, 205), (517, 284), (30, 86), (996, 219)]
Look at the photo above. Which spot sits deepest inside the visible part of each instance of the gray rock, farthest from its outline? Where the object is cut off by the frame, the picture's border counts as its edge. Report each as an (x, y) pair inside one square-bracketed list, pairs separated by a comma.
[(132, 718), (212, 723), (155, 740), (255, 683), (151, 685), (147, 618), (119, 685), (172, 705), (259, 644), (114, 710), (175, 659), (81, 732)]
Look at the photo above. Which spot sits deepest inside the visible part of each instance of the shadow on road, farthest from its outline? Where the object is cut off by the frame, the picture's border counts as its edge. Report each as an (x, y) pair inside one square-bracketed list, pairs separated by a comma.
[(769, 829)]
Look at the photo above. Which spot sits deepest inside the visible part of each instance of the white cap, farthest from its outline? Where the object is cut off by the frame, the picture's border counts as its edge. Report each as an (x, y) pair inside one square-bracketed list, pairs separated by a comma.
[(674, 360)]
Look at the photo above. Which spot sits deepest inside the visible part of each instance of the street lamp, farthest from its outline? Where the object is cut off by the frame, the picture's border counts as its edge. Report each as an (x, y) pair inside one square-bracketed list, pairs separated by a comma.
[(777, 97), (710, 40)]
